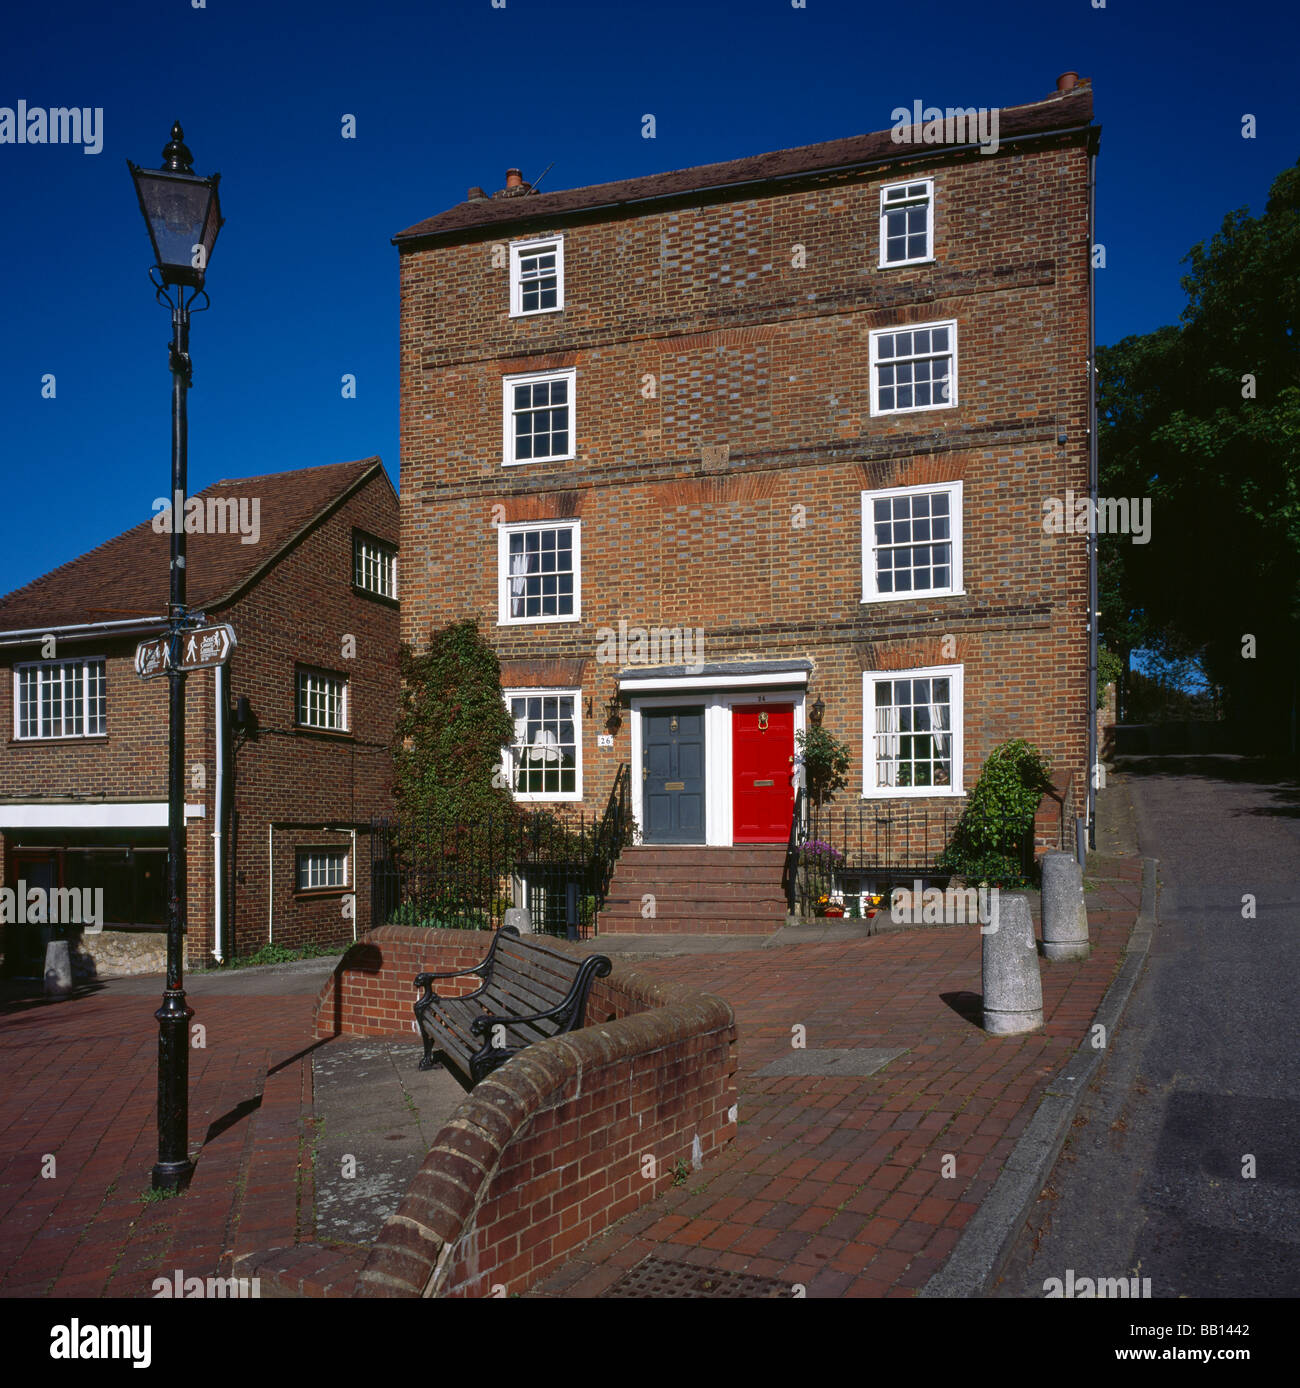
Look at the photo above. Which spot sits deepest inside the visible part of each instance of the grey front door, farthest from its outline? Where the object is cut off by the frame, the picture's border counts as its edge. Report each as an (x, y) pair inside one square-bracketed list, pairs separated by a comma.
[(672, 775)]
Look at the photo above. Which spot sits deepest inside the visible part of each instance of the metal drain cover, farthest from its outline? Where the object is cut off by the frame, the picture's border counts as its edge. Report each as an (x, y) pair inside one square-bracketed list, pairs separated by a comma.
[(861, 1061), (660, 1278)]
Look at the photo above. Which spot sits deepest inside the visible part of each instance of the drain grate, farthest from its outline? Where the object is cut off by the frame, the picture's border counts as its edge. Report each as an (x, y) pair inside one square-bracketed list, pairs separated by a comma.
[(665, 1280)]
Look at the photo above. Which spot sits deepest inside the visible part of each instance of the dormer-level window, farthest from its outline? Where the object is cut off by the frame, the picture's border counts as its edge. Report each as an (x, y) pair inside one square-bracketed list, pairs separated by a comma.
[(536, 276), (907, 223), (374, 566), (60, 698)]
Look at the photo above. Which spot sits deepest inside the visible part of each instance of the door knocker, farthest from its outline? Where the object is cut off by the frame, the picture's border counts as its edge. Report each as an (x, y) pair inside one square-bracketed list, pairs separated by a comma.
[(672, 726), (762, 722)]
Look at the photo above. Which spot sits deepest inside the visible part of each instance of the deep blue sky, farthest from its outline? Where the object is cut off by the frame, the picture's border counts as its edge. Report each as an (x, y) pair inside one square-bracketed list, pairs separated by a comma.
[(304, 280)]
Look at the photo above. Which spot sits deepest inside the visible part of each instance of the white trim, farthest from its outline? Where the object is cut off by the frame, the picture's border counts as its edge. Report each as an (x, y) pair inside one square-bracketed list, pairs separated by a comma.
[(878, 333), (929, 222), (870, 593), (110, 814), (507, 753), (719, 820), (521, 248), (508, 384), (796, 680), (504, 531), (321, 674), (957, 675)]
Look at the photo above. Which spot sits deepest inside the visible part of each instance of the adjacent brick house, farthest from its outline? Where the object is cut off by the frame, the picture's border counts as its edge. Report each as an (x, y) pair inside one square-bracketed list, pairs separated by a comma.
[(723, 447), (303, 566)]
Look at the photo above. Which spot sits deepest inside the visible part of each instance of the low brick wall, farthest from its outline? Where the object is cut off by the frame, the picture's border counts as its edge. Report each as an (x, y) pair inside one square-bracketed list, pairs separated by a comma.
[(569, 1136)]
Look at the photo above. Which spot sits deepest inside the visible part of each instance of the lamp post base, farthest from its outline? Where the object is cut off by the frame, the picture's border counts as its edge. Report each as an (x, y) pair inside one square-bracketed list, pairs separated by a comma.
[(172, 1175)]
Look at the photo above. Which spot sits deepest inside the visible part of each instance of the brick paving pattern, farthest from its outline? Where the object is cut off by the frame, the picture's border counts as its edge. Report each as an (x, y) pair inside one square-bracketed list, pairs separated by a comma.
[(833, 1182), (78, 1081), (837, 1183)]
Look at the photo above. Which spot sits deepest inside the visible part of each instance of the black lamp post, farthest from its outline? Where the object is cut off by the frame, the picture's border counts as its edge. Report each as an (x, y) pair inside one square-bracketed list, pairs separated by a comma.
[(183, 214)]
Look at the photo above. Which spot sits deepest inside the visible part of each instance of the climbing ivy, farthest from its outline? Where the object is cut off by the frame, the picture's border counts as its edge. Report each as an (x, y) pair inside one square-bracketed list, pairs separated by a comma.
[(986, 846)]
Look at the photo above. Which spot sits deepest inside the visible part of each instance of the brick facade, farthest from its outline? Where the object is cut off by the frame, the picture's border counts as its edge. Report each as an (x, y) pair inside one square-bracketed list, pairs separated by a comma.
[(724, 437), (299, 788)]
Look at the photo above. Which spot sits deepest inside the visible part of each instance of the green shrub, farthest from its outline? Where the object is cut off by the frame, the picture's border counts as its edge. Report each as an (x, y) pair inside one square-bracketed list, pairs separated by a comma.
[(986, 846), (826, 762)]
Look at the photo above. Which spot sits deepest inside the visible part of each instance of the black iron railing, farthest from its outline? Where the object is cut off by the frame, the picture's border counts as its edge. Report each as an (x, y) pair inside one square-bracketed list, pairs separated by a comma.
[(847, 851), (466, 875)]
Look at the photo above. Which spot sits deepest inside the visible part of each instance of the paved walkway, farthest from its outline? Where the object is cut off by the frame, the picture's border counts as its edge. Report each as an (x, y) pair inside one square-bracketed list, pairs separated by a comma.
[(835, 1182), (838, 1183), (78, 1084)]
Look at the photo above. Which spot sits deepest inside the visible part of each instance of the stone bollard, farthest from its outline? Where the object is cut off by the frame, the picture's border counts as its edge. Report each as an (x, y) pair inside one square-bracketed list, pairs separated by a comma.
[(1013, 992), (1065, 916), (58, 969), (520, 918)]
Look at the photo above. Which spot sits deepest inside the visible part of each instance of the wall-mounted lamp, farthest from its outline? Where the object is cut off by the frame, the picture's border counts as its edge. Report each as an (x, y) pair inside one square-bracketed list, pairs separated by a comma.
[(817, 713), (614, 712)]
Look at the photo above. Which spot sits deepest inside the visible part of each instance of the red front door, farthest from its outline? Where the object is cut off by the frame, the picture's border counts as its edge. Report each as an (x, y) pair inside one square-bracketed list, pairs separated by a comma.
[(762, 766)]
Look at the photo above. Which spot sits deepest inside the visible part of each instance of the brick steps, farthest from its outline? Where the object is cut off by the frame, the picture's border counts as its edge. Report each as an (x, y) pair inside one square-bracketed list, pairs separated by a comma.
[(696, 890)]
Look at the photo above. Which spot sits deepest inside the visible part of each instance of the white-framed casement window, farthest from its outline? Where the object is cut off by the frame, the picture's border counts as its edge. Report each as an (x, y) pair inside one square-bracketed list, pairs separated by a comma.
[(544, 759), (536, 276), (374, 566), (539, 572), (322, 701), (60, 698), (914, 368), (911, 542), (320, 869), (907, 223), (538, 416), (912, 721)]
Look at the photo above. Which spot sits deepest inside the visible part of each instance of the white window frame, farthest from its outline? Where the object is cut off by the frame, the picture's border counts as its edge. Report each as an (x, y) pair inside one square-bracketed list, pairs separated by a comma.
[(870, 589), (878, 333), (504, 532), (508, 384), (508, 753), (957, 701), (44, 665), (905, 201), (519, 249), (325, 855), (302, 672), (383, 563)]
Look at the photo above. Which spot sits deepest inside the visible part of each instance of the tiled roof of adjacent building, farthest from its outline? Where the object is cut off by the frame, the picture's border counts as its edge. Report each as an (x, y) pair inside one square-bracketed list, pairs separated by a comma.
[(1060, 111), (127, 577)]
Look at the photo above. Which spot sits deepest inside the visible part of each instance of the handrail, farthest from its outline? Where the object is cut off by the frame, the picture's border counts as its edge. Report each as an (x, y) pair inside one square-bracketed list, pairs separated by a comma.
[(790, 873)]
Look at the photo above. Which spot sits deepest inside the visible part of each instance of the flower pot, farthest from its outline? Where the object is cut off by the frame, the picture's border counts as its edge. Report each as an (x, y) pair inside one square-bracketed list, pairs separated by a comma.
[(836, 911)]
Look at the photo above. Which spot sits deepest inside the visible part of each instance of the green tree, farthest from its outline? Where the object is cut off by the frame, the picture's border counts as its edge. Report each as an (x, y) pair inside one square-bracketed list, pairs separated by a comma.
[(1205, 419)]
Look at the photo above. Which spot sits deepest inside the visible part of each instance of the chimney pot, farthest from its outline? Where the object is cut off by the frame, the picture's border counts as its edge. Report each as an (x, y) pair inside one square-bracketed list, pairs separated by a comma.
[(1067, 81), (514, 178)]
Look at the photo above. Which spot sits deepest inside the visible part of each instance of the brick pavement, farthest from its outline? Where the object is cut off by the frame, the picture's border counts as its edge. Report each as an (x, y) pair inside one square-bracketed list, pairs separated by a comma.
[(78, 1082), (835, 1183), (838, 1183)]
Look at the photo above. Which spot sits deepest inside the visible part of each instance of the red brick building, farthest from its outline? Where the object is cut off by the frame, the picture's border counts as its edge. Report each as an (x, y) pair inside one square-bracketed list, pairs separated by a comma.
[(287, 749), (716, 450)]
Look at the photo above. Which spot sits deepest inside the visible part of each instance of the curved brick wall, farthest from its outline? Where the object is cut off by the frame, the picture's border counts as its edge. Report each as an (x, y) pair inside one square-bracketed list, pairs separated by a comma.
[(554, 1146)]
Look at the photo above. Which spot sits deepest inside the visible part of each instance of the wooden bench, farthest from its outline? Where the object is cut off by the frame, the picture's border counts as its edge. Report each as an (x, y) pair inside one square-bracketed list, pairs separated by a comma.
[(530, 991)]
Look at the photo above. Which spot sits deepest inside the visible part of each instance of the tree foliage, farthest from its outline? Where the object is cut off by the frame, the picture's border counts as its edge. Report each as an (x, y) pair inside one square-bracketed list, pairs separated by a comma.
[(826, 762), (1205, 419)]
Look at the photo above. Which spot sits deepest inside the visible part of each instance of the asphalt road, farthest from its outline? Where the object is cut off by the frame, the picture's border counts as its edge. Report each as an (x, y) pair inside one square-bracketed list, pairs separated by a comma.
[(1203, 1074)]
